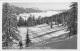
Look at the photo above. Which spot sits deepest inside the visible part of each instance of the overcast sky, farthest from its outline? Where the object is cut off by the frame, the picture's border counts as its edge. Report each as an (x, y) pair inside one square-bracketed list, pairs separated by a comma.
[(44, 5)]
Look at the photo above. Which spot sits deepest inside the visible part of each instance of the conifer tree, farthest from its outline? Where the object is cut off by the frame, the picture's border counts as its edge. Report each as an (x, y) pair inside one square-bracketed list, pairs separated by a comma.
[(9, 25), (28, 41), (20, 44)]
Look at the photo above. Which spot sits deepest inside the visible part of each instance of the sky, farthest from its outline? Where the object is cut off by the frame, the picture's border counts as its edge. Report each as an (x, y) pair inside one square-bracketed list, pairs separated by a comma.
[(44, 5)]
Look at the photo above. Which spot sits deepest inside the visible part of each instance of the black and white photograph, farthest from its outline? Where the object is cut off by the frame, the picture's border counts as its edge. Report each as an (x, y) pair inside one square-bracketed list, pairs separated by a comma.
[(39, 25)]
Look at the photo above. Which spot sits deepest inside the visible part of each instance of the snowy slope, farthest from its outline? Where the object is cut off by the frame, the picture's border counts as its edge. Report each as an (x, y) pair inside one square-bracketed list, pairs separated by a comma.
[(41, 32), (22, 32)]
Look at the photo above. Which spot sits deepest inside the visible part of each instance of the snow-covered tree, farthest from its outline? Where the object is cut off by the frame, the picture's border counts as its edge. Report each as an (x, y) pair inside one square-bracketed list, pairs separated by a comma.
[(9, 25)]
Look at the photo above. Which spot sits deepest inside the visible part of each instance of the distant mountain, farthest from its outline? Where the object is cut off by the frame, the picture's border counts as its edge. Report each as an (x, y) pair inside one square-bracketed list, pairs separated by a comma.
[(19, 10), (58, 10), (32, 10)]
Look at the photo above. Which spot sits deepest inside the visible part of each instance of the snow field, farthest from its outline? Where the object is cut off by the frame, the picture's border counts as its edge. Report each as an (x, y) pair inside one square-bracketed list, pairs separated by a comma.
[(41, 33), (35, 40), (23, 32), (55, 34)]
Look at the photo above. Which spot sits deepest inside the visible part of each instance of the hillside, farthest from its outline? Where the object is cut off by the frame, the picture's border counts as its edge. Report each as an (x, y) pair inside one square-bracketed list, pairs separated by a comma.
[(19, 10)]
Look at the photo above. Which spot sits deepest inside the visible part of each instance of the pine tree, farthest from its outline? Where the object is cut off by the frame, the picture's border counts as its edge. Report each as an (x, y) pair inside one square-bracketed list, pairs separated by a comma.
[(20, 44), (33, 20), (28, 41), (73, 19), (51, 25), (9, 25), (25, 22), (21, 22), (30, 21)]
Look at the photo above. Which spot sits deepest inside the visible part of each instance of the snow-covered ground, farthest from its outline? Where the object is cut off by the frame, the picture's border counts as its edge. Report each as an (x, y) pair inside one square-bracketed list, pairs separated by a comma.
[(23, 32), (41, 32), (40, 14)]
